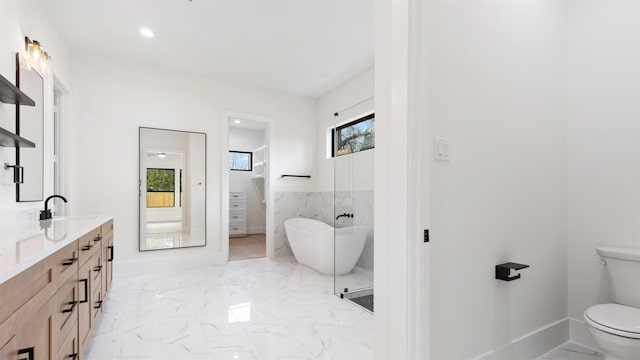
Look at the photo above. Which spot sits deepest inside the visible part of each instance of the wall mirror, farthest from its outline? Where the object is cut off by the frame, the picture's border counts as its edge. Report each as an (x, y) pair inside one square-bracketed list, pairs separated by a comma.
[(172, 189), (30, 125)]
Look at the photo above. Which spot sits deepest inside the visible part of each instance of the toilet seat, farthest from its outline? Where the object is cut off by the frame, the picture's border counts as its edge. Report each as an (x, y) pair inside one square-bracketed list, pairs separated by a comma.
[(615, 319)]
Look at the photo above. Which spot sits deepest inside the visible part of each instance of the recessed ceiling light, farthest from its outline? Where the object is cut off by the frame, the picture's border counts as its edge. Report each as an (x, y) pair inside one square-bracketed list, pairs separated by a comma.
[(236, 121), (146, 32)]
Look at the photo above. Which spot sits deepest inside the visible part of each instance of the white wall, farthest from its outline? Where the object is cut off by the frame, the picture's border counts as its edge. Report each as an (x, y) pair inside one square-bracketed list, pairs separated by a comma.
[(355, 97), (17, 20), (240, 181), (497, 89), (603, 143), (114, 98), (196, 183)]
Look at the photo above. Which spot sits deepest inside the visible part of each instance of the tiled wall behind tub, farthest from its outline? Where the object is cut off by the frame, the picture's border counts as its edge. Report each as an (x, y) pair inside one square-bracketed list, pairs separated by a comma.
[(320, 206)]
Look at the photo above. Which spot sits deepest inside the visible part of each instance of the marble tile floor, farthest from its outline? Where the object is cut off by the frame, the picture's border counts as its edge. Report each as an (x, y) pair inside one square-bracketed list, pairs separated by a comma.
[(252, 309), (572, 351)]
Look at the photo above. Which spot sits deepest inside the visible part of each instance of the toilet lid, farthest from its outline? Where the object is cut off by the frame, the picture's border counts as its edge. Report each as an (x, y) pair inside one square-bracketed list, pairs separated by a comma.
[(616, 317)]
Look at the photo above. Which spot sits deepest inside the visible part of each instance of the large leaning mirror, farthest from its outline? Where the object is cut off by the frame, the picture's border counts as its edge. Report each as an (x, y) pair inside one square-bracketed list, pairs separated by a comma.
[(30, 125), (172, 189)]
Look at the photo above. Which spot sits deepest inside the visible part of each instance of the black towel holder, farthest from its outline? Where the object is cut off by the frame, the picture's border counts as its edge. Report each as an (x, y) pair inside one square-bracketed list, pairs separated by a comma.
[(297, 176)]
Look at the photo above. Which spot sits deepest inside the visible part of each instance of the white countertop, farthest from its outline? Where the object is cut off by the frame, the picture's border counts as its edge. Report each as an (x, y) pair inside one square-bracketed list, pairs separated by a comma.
[(22, 246)]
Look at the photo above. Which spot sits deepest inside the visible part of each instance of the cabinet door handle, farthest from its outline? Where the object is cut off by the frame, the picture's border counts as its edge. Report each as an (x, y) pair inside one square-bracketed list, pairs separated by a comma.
[(87, 247), (73, 356), (98, 304), (73, 306), (31, 352), (97, 238), (110, 253), (70, 261), (86, 290), (97, 268)]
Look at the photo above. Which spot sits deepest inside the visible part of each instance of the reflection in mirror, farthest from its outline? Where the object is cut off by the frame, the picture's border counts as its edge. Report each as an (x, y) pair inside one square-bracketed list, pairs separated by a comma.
[(172, 189), (30, 125)]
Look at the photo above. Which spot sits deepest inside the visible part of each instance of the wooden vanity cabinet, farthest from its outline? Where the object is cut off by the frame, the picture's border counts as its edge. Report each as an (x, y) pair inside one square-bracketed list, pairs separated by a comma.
[(30, 306), (9, 350), (49, 310), (107, 256), (34, 337), (93, 269)]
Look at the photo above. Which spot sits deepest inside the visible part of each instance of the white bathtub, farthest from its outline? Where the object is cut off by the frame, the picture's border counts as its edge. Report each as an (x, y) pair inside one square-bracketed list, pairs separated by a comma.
[(312, 243)]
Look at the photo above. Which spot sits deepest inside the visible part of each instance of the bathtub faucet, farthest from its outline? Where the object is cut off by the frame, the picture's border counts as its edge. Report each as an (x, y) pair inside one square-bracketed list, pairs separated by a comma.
[(344, 215)]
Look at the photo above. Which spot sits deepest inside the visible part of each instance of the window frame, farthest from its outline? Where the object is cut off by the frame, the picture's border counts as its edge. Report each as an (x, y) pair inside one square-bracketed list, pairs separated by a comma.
[(335, 131), (250, 160)]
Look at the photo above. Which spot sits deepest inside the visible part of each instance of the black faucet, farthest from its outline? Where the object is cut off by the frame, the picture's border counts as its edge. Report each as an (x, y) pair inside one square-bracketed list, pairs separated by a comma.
[(46, 213), (344, 215)]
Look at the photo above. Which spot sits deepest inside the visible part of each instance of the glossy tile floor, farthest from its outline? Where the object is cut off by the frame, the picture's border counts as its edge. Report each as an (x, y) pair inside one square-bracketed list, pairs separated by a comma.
[(572, 351), (250, 309)]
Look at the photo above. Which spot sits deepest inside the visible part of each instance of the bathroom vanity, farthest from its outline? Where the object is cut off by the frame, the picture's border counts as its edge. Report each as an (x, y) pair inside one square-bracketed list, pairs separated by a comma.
[(54, 277)]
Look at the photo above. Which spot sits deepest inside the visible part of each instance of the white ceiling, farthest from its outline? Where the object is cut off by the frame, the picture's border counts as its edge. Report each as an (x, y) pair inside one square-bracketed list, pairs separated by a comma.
[(302, 47)]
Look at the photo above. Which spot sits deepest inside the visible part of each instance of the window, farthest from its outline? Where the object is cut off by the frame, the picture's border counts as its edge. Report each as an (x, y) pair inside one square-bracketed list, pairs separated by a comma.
[(240, 161), (161, 187), (358, 135)]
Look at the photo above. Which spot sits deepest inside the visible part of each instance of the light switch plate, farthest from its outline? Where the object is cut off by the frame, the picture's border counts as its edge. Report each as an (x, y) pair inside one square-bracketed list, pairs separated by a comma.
[(441, 148)]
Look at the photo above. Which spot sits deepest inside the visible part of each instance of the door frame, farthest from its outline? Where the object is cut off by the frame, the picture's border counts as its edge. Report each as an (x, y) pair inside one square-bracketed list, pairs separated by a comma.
[(269, 231), (402, 189)]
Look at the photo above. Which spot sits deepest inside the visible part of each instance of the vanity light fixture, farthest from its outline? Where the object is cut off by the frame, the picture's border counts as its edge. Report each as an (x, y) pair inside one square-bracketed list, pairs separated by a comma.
[(146, 32), (162, 155), (35, 55), (236, 121)]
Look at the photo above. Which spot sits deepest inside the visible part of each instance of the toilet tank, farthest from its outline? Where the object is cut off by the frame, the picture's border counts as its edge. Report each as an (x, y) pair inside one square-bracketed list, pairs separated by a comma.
[(623, 267)]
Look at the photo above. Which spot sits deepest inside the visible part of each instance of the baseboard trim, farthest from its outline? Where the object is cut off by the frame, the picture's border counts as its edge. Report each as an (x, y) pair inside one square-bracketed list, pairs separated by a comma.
[(256, 230), (580, 334), (532, 345), (137, 266)]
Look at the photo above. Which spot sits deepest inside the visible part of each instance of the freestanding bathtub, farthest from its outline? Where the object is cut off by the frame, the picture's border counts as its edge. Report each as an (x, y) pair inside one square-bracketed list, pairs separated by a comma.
[(312, 243)]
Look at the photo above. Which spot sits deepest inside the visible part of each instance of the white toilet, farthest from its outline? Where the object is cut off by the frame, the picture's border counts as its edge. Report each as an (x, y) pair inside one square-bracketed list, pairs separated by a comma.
[(616, 327)]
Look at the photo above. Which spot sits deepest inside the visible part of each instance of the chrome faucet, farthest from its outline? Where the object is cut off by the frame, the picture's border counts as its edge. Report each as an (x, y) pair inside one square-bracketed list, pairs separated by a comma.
[(46, 213)]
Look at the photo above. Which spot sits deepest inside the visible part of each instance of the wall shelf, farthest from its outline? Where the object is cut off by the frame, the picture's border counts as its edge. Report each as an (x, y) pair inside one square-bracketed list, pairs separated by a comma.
[(10, 94), (9, 139)]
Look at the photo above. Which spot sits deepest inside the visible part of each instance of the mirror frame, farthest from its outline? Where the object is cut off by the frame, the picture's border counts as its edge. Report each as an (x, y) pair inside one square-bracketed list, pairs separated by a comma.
[(18, 67), (140, 128)]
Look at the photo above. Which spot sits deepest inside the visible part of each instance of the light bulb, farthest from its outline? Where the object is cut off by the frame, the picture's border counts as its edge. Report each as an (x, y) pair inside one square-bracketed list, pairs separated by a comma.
[(36, 50), (146, 32)]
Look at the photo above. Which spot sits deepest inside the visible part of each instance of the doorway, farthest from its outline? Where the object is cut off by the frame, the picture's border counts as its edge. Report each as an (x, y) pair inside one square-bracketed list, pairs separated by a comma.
[(247, 178)]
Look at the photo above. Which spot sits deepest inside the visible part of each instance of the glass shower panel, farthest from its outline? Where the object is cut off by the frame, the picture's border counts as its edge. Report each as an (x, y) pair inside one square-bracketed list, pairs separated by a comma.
[(353, 221)]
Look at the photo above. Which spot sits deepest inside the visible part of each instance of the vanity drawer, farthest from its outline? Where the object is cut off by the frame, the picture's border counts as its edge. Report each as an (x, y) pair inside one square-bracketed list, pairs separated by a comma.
[(25, 293), (96, 270), (69, 350), (107, 229), (66, 312), (67, 263), (96, 305), (237, 229), (237, 217), (9, 350), (88, 245), (235, 204)]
